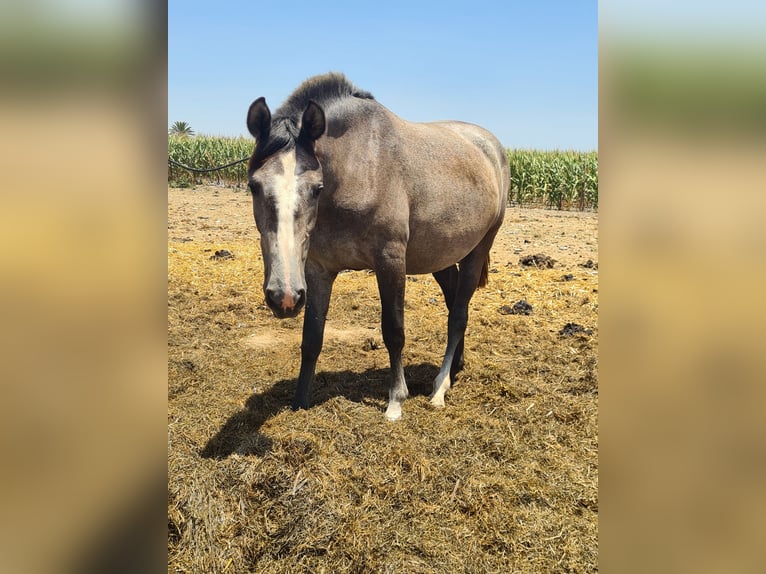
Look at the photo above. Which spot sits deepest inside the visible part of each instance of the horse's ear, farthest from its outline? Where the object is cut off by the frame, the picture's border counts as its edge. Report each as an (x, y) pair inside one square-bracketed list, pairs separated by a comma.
[(259, 120), (312, 122)]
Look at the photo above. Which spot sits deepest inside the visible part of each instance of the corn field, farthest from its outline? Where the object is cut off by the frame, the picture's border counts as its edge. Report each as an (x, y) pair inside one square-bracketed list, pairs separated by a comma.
[(555, 179), (204, 152), (560, 179)]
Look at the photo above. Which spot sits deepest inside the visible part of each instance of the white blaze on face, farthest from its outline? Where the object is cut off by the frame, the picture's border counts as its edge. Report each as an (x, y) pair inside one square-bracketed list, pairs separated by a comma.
[(286, 201)]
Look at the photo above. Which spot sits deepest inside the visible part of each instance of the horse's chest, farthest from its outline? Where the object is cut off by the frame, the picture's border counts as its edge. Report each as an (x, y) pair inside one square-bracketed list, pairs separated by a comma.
[(340, 249)]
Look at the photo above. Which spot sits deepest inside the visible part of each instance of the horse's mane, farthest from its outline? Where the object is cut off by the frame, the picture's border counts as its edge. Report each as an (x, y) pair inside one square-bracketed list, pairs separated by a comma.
[(322, 89)]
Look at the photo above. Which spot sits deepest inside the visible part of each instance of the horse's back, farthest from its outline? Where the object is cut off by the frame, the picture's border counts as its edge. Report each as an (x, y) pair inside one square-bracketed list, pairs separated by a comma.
[(456, 154), (475, 135)]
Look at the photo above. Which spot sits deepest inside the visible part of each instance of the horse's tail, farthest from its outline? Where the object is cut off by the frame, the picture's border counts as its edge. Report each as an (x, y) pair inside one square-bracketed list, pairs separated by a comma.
[(484, 273)]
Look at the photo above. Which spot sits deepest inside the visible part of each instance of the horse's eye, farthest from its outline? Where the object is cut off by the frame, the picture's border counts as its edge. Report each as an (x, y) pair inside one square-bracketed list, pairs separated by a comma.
[(255, 187), (318, 189)]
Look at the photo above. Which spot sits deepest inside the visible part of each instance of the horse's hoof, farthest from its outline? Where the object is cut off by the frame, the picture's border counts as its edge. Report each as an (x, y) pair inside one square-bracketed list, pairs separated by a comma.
[(437, 401), (393, 413)]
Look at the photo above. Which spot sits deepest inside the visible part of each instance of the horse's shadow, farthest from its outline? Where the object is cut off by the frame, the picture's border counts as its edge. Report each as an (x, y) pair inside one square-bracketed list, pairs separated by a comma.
[(241, 432)]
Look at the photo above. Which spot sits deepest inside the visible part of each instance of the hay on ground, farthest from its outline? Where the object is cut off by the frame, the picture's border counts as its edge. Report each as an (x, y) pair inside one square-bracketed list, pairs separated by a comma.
[(504, 478)]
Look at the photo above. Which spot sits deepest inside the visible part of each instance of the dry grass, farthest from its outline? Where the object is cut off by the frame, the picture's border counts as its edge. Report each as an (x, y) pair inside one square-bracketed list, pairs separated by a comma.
[(503, 479)]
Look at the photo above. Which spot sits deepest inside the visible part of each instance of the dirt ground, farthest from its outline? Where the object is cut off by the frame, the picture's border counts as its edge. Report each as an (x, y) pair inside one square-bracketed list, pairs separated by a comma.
[(503, 479)]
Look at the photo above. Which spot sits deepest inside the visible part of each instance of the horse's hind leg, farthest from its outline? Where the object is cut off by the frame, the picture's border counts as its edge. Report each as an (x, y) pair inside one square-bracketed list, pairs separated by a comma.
[(447, 280), (468, 279), (390, 273)]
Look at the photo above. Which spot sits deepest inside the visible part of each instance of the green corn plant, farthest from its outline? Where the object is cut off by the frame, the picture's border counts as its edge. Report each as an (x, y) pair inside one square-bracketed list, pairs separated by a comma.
[(560, 179), (206, 152)]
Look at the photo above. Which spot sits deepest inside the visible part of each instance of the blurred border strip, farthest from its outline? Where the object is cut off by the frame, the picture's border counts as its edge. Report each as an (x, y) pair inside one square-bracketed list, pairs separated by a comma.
[(682, 150), (82, 296)]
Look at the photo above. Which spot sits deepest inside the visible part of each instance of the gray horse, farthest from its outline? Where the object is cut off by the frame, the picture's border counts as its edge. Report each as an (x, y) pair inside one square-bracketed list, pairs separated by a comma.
[(340, 182)]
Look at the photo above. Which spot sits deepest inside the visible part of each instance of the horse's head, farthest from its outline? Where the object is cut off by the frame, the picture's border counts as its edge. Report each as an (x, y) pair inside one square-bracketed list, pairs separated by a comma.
[(285, 180)]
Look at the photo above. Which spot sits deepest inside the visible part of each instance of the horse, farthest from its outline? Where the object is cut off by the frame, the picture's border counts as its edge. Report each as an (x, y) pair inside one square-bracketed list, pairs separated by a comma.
[(339, 182)]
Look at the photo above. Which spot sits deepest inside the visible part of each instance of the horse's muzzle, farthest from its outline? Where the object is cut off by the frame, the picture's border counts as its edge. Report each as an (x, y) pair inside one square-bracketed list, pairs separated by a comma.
[(285, 304)]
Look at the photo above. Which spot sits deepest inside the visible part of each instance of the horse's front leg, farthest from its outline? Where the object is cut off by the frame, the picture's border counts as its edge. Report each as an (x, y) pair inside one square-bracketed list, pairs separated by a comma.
[(318, 289), (391, 275)]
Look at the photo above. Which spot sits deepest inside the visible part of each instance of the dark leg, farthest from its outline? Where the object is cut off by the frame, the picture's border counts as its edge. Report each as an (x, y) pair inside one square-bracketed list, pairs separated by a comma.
[(447, 280), (391, 277), (318, 288)]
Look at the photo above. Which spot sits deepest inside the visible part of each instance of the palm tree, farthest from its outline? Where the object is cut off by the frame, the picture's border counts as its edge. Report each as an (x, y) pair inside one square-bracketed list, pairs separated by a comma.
[(181, 129)]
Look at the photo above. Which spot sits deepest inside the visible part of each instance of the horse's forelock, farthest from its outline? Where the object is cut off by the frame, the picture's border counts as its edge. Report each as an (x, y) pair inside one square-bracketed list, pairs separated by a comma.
[(282, 137)]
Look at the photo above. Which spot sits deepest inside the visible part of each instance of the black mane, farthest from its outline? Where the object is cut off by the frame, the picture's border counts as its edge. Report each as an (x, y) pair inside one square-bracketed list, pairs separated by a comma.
[(285, 122), (322, 89)]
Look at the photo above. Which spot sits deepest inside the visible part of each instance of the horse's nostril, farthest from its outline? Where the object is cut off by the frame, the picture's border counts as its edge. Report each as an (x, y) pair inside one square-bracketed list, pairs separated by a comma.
[(273, 297), (286, 302)]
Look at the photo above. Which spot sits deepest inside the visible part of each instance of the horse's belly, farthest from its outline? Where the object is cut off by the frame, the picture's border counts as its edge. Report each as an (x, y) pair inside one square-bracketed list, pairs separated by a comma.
[(438, 254), (440, 238)]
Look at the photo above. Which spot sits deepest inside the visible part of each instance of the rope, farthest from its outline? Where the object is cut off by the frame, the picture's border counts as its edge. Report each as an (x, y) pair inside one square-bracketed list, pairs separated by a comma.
[(171, 161)]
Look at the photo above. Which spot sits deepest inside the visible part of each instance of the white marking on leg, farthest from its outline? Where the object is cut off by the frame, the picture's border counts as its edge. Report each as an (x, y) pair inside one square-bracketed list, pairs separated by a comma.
[(396, 397), (442, 384), (394, 410)]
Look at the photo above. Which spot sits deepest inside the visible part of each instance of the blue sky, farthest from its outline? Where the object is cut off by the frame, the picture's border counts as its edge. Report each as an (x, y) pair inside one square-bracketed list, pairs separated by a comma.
[(526, 71)]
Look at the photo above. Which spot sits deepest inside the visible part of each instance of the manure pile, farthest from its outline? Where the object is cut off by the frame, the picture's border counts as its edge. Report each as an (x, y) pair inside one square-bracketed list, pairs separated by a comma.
[(504, 478)]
